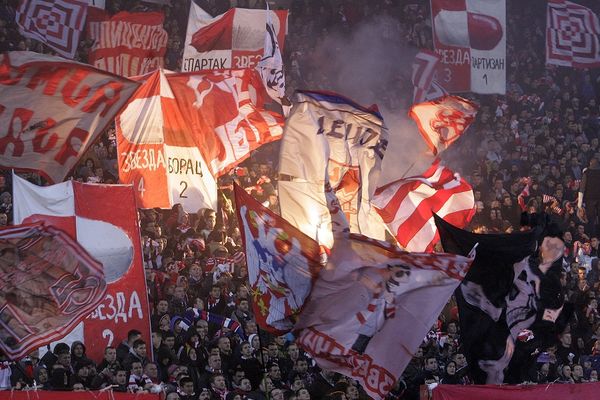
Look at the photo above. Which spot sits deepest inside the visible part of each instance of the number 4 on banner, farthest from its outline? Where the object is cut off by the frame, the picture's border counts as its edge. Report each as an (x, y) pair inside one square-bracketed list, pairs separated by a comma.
[(140, 187)]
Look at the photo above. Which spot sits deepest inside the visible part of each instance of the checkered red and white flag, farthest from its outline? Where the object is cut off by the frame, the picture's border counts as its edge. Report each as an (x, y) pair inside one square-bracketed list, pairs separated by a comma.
[(572, 35), (56, 23), (407, 205)]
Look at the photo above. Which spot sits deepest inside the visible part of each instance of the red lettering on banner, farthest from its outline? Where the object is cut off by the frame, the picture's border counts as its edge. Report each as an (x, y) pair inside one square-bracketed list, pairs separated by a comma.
[(68, 149), (50, 77), (71, 98), (13, 136), (42, 135), (8, 75), (108, 94)]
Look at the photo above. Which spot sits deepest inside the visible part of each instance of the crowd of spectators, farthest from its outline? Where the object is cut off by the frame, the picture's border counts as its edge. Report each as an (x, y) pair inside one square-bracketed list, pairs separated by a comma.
[(526, 152)]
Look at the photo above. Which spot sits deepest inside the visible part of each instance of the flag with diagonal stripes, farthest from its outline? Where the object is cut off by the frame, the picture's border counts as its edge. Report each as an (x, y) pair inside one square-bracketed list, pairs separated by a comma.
[(56, 23)]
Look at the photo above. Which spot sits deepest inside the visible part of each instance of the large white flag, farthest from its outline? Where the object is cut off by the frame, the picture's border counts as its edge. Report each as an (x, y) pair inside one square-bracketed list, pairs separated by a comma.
[(329, 139)]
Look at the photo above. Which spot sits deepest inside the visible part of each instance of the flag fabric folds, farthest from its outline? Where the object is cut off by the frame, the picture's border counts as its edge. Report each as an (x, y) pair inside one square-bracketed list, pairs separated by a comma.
[(234, 39), (282, 264), (49, 285), (509, 289), (182, 131), (407, 205), (572, 35), (442, 121), (52, 110), (584, 391), (372, 298), (331, 140), (127, 44), (270, 67), (56, 23), (112, 238), (423, 72)]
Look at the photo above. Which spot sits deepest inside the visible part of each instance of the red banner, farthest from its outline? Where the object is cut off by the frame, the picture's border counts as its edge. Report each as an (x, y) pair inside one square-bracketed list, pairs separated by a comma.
[(106, 395), (112, 237), (51, 110), (128, 44), (583, 391), (48, 284)]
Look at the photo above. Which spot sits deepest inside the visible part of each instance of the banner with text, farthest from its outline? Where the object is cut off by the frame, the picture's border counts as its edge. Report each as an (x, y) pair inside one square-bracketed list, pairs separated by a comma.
[(182, 131), (127, 44), (103, 220), (235, 39), (52, 109), (469, 36)]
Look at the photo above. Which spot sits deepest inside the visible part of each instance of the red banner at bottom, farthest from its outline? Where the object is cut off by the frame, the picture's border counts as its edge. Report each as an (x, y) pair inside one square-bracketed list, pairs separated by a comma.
[(556, 391), (47, 395)]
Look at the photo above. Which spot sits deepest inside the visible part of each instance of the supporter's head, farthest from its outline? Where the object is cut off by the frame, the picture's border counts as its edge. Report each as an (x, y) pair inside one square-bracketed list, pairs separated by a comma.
[(303, 394), (151, 370), (202, 328), (245, 385), (41, 375), (156, 339), (179, 293), (238, 375), (64, 359), (301, 365), (82, 368), (266, 385), (198, 304), (172, 396), (120, 377), (451, 368), (594, 376), (274, 371), (293, 351), (215, 291), (186, 385), (243, 305), (577, 371), (110, 354), (431, 364), (78, 387), (210, 219), (224, 345), (136, 368), (250, 328), (205, 394), (273, 350), (245, 349), (276, 394), (352, 392), (196, 271), (459, 359), (162, 307), (217, 382), (139, 346), (132, 336), (3, 219), (169, 340), (296, 382), (214, 362)]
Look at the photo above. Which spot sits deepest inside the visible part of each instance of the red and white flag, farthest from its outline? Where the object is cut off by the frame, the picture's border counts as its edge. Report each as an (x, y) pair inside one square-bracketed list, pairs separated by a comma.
[(127, 44), (56, 23), (52, 110), (282, 263), (572, 35), (423, 71), (371, 307), (103, 220), (234, 39), (442, 121), (469, 36), (182, 131), (49, 285), (407, 205)]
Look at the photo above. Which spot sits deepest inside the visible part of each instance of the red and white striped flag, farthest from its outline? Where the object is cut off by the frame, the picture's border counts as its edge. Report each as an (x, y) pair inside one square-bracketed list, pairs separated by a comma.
[(56, 23), (423, 70), (407, 205), (572, 35), (442, 121)]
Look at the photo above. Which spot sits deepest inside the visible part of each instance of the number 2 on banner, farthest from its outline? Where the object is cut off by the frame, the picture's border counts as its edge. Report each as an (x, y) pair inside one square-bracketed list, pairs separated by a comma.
[(140, 187), (183, 184)]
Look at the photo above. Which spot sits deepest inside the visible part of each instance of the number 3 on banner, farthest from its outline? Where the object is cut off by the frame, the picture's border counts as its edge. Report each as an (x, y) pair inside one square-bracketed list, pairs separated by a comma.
[(140, 187)]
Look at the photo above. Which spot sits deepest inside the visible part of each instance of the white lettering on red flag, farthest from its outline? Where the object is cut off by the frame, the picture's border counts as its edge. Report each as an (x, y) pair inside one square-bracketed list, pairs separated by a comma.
[(113, 238), (232, 40), (407, 205), (572, 35), (442, 121), (127, 44), (51, 110), (371, 307), (469, 36), (48, 285), (56, 23)]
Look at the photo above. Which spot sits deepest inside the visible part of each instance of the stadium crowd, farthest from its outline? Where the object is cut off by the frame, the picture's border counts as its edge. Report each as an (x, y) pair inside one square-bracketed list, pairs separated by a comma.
[(531, 147)]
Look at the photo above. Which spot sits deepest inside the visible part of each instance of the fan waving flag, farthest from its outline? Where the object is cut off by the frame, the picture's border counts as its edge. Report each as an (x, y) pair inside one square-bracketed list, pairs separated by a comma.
[(407, 205), (56, 23), (372, 306), (572, 35), (49, 284), (442, 121), (282, 263)]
